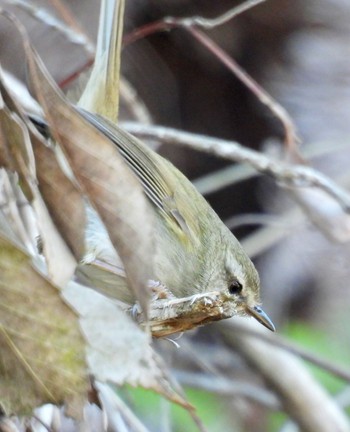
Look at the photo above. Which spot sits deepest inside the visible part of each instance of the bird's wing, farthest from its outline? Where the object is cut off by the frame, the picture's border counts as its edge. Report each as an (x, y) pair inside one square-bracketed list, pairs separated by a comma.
[(145, 165)]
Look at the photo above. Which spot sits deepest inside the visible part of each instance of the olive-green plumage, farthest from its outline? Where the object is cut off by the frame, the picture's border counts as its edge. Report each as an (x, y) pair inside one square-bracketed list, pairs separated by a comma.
[(195, 252)]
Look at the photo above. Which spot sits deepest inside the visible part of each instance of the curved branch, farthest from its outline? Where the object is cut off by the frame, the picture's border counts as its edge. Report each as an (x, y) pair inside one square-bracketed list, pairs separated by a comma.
[(302, 397), (297, 176)]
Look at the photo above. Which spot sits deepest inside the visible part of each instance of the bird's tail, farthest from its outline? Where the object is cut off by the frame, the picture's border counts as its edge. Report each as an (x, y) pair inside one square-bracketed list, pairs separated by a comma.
[(101, 94)]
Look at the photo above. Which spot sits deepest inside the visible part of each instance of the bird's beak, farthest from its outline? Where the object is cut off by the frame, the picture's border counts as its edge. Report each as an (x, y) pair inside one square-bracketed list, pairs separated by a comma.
[(257, 313)]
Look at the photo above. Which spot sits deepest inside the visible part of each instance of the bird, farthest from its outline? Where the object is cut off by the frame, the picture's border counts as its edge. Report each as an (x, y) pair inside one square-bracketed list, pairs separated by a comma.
[(195, 253)]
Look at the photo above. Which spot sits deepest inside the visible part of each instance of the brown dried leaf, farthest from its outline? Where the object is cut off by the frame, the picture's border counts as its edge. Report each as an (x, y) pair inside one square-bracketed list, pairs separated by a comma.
[(103, 175), (62, 197), (18, 151), (17, 219), (41, 348), (118, 350), (61, 264)]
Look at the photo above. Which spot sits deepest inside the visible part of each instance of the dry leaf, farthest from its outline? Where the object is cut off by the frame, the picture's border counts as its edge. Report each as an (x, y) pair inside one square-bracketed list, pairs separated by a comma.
[(103, 175), (62, 197), (18, 151), (118, 350), (41, 348), (17, 220), (16, 140)]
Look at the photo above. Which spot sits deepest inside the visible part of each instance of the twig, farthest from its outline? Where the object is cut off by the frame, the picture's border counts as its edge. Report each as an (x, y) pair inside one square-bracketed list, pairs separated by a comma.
[(71, 33), (299, 393), (227, 176), (208, 23), (255, 219), (265, 237), (211, 378), (286, 174), (119, 415), (190, 24), (169, 316), (169, 23), (342, 399), (278, 110), (74, 75), (68, 17), (223, 177), (327, 365), (134, 103), (44, 16), (223, 386)]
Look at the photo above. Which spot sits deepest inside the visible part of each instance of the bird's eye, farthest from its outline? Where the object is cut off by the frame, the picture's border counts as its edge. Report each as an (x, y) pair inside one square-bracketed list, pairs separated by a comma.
[(235, 287)]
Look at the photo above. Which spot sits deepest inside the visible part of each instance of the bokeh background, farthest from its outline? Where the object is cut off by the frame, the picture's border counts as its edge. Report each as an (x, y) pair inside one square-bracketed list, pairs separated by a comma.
[(299, 52)]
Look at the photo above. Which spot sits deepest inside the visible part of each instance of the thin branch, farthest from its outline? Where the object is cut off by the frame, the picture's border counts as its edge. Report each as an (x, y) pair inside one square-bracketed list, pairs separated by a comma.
[(68, 17), (342, 399), (245, 219), (169, 316), (296, 176), (298, 391), (208, 23), (233, 174), (223, 177), (73, 34), (224, 387), (169, 23), (74, 75), (134, 103), (44, 16), (262, 95), (119, 415), (265, 237), (277, 341), (190, 24)]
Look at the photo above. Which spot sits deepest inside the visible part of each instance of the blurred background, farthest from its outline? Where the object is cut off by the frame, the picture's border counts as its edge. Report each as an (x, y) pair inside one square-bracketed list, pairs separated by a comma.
[(299, 52)]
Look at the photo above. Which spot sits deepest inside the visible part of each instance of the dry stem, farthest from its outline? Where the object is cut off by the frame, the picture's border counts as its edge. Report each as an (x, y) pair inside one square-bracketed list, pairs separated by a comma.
[(285, 174), (301, 396)]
